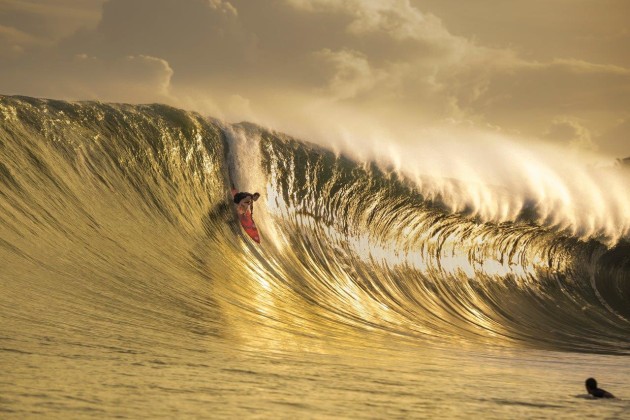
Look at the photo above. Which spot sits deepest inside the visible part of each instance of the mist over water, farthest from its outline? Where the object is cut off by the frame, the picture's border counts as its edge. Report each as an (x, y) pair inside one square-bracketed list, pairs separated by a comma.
[(123, 268)]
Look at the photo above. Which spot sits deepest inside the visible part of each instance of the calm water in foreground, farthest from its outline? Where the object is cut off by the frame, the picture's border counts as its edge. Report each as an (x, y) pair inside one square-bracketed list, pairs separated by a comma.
[(86, 371)]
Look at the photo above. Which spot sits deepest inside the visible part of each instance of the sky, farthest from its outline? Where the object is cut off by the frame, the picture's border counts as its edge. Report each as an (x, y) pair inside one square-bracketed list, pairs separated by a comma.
[(550, 71)]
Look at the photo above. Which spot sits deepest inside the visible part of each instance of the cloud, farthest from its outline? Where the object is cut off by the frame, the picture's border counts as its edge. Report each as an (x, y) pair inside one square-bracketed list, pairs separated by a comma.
[(127, 79), (500, 89), (568, 131), (360, 60), (397, 19), (200, 38), (131, 78), (49, 20), (223, 7), (14, 41), (348, 72)]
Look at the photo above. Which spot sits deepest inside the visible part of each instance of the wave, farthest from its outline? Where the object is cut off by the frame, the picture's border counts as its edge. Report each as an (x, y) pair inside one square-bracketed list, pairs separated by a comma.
[(121, 211)]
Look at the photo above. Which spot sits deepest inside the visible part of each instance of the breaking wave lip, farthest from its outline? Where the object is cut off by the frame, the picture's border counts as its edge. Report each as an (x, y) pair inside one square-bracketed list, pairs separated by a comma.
[(141, 192), (499, 178)]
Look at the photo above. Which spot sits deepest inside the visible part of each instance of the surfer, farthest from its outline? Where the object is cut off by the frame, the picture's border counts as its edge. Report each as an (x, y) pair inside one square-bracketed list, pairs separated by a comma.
[(591, 387), (245, 209)]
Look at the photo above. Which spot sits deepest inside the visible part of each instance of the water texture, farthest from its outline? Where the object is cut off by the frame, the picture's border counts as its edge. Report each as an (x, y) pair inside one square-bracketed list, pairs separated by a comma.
[(128, 289)]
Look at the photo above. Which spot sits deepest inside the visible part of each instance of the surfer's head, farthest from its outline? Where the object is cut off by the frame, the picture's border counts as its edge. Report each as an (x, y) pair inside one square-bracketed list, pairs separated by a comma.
[(255, 196), (243, 196), (590, 384)]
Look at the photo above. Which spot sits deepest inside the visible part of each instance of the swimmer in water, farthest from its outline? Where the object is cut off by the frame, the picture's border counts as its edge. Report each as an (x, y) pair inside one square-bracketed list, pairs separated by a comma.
[(591, 387)]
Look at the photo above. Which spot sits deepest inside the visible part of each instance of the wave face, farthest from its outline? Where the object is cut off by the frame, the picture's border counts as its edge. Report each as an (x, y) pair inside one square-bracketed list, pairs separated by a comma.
[(121, 214)]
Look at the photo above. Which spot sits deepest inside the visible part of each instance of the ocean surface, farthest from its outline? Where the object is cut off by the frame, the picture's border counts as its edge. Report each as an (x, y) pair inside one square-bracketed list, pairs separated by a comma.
[(128, 289)]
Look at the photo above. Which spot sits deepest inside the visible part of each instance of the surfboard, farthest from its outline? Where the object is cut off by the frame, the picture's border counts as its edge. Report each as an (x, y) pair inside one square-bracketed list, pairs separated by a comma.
[(249, 226)]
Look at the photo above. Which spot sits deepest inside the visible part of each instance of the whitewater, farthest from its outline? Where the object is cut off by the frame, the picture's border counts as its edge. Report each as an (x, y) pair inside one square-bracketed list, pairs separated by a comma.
[(127, 288)]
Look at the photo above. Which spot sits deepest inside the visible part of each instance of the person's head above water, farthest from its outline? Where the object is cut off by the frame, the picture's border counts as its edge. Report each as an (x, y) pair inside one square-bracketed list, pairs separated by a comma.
[(591, 387)]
